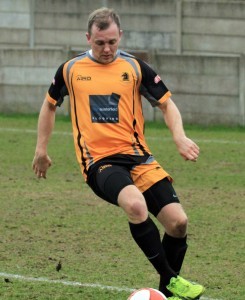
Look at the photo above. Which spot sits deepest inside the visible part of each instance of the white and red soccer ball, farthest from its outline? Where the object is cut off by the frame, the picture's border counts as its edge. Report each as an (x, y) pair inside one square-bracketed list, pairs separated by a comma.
[(147, 294)]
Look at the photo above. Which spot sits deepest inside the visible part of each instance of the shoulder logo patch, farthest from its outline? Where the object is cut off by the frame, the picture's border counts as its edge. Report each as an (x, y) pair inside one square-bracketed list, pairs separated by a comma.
[(157, 79)]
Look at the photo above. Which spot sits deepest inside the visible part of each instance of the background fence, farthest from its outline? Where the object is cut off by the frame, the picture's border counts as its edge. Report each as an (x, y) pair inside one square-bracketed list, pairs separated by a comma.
[(197, 46)]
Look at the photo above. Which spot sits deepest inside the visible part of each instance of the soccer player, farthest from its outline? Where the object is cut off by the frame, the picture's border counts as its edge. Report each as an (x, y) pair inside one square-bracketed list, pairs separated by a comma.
[(105, 86)]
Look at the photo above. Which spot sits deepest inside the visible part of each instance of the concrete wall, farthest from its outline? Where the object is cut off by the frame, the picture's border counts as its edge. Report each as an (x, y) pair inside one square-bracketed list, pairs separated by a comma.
[(179, 26), (198, 46), (25, 76), (175, 26), (213, 26), (207, 89), (15, 22)]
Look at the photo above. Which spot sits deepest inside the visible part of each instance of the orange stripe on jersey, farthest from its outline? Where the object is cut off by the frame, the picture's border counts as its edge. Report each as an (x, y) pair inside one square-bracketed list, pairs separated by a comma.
[(50, 99), (165, 97)]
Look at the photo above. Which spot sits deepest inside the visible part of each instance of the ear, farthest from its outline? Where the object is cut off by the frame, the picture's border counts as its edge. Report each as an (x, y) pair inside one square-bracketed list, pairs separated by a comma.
[(88, 37), (120, 35)]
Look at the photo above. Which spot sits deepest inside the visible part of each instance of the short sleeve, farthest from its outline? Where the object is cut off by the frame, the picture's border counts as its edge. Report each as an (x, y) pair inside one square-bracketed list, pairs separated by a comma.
[(152, 86), (57, 90)]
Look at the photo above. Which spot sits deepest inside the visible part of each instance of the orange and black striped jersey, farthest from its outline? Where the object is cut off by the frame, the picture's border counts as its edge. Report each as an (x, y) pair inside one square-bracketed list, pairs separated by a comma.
[(106, 107)]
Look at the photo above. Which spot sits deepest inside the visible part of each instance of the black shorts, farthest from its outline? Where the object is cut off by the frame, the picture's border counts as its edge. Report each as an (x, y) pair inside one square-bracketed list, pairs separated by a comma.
[(107, 180)]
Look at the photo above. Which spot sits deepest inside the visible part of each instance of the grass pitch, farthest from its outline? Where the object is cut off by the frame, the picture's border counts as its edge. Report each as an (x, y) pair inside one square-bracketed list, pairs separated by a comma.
[(60, 220)]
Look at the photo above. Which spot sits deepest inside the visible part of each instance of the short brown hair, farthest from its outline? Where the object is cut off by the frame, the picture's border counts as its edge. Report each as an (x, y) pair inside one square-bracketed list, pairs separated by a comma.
[(102, 18)]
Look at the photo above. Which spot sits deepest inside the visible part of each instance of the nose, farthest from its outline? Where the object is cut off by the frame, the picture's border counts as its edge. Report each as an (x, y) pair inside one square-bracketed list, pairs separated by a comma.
[(106, 48)]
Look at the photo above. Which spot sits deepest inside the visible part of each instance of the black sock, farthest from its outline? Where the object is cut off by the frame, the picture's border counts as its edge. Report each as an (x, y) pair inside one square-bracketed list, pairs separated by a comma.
[(146, 235), (175, 249), (162, 288)]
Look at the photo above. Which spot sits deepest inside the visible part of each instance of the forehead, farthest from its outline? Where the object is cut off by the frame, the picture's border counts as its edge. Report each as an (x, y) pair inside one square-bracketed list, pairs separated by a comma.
[(112, 32)]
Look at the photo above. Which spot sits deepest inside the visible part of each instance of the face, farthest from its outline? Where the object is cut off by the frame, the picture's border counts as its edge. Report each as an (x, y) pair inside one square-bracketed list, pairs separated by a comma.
[(104, 43)]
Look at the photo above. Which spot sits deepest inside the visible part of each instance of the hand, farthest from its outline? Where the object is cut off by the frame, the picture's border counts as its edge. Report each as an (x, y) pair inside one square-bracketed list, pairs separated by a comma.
[(187, 149), (40, 165)]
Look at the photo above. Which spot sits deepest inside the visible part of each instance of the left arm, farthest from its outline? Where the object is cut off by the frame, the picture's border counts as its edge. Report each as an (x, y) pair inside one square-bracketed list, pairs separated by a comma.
[(186, 147), (155, 91)]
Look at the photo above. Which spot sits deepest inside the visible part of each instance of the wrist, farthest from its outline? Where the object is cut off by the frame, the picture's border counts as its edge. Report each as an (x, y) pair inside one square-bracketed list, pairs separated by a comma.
[(178, 137), (41, 151)]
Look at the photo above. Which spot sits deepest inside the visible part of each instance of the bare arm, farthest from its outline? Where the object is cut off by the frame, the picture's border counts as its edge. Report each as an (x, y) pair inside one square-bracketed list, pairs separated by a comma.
[(41, 161), (186, 147)]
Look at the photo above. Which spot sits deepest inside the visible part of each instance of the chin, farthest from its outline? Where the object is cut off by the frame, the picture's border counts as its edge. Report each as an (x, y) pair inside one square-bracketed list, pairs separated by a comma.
[(106, 60)]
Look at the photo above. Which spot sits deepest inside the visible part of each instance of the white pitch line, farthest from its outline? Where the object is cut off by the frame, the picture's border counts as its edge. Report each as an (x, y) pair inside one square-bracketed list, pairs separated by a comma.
[(25, 130), (70, 283), (75, 283), (217, 141)]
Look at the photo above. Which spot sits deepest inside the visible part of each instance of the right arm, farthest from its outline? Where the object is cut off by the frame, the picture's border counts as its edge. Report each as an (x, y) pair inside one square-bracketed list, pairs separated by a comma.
[(41, 161), (57, 91)]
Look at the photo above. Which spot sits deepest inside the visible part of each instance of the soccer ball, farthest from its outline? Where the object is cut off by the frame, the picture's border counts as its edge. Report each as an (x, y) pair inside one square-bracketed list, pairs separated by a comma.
[(147, 294)]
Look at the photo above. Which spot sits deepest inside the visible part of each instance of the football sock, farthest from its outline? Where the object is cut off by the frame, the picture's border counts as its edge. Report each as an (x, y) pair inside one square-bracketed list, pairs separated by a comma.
[(162, 288), (175, 249), (146, 235)]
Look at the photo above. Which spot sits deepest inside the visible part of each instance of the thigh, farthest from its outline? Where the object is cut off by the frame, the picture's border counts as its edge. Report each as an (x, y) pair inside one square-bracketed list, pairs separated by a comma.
[(159, 195), (163, 203), (109, 180)]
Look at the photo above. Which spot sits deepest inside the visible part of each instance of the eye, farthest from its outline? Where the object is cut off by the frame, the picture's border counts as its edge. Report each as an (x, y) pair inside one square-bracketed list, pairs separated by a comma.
[(112, 42), (100, 43)]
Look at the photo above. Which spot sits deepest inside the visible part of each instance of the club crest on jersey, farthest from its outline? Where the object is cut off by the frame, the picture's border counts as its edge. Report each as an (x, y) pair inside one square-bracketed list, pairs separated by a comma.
[(125, 76), (157, 79)]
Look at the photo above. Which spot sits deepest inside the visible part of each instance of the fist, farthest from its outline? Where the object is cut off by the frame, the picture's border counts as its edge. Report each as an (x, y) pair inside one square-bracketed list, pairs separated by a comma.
[(40, 165)]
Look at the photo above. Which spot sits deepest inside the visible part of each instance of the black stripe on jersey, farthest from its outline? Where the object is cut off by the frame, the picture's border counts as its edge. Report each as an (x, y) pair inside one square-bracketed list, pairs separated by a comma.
[(137, 139), (130, 59), (134, 125), (79, 133)]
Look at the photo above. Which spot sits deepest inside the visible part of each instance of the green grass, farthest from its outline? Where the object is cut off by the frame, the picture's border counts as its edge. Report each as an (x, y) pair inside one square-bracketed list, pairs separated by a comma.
[(43, 222)]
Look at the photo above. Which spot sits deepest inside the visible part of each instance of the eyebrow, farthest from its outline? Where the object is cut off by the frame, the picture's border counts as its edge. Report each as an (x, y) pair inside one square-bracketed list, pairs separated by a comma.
[(102, 41)]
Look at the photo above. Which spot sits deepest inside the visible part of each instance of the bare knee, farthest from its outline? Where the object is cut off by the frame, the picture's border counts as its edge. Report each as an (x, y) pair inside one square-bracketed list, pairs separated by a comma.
[(133, 203), (137, 212), (174, 220), (178, 228)]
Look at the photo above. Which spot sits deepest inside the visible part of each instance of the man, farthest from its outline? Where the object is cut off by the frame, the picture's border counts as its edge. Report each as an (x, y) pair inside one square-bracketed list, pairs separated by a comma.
[(105, 87)]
